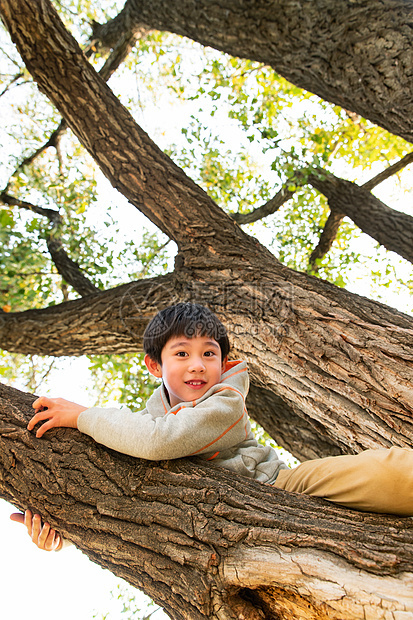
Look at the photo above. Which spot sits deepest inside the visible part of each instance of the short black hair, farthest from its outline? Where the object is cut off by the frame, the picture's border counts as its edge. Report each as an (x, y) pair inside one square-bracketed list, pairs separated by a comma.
[(183, 319)]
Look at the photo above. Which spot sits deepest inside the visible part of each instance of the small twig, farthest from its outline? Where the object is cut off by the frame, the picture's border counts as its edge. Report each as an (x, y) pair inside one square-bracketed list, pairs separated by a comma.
[(268, 208), (326, 240), (10, 84), (393, 169)]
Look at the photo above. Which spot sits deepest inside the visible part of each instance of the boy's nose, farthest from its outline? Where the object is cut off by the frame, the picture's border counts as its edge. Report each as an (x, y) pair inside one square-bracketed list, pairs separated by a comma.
[(197, 365)]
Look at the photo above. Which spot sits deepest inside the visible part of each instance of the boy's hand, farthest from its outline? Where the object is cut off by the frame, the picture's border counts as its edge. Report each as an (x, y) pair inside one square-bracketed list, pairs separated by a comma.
[(42, 535), (57, 412)]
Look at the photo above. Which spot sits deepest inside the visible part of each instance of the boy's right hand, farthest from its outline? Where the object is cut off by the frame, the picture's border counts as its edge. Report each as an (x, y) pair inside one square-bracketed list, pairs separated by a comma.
[(42, 535), (53, 412)]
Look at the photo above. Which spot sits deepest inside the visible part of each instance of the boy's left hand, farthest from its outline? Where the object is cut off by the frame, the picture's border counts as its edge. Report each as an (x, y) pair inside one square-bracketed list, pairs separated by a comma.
[(56, 412), (41, 534)]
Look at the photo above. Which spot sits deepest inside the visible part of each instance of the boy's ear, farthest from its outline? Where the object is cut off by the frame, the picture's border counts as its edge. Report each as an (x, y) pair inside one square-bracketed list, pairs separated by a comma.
[(154, 367), (224, 363)]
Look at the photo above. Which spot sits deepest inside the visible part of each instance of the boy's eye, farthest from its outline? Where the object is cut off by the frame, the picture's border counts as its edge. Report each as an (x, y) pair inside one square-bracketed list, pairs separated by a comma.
[(209, 353), (181, 354)]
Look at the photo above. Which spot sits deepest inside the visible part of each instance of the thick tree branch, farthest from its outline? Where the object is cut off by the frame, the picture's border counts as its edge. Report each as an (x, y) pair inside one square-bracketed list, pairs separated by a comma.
[(229, 539), (331, 356), (110, 321), (290, 427), (392, 229), (121, 49), (350, 378), (285, 193), (357, 56), (335, 218)]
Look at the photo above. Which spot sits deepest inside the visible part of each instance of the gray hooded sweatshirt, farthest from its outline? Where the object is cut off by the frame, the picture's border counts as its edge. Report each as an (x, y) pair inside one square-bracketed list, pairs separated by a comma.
[(214, 427)]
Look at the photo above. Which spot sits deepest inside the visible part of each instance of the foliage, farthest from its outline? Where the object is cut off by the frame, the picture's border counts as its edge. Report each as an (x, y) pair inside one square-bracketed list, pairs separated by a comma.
[(245, 131), (251, 132), (29, 372), (124, 379)]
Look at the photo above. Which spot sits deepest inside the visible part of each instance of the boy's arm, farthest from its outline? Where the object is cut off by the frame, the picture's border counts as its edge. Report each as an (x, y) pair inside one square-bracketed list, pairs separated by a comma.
[(216, 423)]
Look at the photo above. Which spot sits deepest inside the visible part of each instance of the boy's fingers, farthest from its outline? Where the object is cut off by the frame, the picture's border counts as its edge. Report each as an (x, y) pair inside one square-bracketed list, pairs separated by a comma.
[(36, 528), (42, 538), (42, 401), (18, 517), (51, 543), (59, 542), (28, 522), (38, 417), (45, 427)]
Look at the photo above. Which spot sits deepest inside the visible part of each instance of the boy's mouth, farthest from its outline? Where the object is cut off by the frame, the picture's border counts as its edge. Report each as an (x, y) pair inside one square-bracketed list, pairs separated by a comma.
[(194, 383)]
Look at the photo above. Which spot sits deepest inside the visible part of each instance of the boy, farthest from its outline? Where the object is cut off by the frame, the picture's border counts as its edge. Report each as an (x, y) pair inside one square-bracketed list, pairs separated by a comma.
[(200, 410)]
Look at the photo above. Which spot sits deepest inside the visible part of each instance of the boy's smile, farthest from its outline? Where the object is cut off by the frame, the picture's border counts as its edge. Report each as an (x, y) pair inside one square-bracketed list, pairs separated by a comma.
[(190, 367)]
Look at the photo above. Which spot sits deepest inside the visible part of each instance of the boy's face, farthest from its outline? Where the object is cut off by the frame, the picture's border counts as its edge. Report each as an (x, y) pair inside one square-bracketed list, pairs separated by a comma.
[(190, 367)]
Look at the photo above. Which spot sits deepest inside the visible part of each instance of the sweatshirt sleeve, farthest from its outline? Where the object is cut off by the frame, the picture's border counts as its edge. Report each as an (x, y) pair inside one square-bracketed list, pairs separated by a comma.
[(216, 423)]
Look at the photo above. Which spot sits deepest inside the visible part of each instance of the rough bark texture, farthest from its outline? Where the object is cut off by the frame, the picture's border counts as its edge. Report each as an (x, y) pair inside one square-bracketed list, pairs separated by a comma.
[(125, 153), (348, 370), (356, 54), (203, 542), (392, 229), (327, 238)]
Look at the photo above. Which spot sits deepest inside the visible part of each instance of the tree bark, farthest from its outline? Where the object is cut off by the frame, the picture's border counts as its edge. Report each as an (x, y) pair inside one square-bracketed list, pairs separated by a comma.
[(204, 542), (355, 54), (68, 268), (392, 229), (327, 238), (125, 153)]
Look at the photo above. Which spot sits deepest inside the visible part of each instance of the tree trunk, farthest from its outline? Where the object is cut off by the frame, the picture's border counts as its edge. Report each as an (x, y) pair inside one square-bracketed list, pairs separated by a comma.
[(356, 54), (204, 542)]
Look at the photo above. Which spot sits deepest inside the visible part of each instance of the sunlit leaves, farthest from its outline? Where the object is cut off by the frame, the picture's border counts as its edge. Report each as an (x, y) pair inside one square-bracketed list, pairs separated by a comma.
[(127, 607), (122, 379), (31, 370)]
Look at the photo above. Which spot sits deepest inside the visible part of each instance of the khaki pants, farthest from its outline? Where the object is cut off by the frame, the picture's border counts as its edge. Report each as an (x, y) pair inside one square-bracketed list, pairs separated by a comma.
[(375, 480)]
